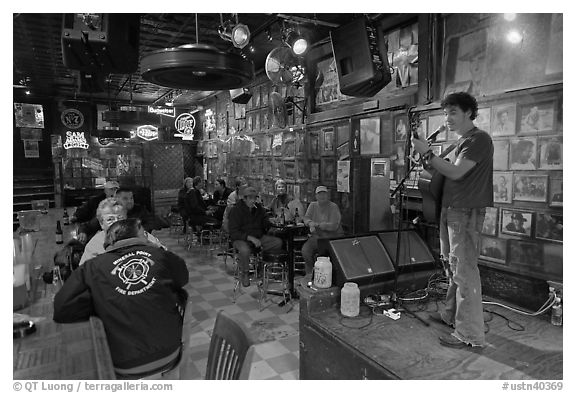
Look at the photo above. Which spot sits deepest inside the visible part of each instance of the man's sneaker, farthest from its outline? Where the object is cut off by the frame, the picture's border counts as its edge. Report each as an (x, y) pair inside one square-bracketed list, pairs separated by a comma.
[(245, 279)]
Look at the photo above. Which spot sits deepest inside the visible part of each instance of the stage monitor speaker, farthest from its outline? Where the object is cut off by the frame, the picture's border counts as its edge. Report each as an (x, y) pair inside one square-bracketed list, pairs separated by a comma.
[(361, 58), (105, 43), (414, 253), (362, 260), (240, 96)]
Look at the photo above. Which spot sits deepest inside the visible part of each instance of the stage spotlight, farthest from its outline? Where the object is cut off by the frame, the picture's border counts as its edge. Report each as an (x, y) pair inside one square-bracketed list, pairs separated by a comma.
[(297, 42), (240, 35)]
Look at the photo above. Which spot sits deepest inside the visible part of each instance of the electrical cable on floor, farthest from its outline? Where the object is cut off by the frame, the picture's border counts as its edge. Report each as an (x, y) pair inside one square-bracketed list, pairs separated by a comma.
[(508, 322), (545, 307)]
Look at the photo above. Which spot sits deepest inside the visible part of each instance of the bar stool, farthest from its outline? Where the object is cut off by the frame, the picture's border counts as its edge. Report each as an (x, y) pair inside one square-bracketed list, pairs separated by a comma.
[(275, 276), (176, 225), (210, 231), (254, 272), (299, 262)]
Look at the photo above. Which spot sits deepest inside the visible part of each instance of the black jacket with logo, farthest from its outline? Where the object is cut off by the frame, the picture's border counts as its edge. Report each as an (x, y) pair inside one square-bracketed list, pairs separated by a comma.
[(135, 288)]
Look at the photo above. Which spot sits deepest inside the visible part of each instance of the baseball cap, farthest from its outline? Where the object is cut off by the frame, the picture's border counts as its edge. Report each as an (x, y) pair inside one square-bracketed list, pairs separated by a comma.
[(248, 191), (111, 184), (321, 189)]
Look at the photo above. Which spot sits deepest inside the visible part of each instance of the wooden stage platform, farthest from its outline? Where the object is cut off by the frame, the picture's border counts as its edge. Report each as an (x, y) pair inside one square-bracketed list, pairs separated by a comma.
[(334, 347)]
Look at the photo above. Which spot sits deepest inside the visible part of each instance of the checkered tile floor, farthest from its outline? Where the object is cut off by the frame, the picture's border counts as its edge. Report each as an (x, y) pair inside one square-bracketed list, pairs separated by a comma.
[(211, 288)]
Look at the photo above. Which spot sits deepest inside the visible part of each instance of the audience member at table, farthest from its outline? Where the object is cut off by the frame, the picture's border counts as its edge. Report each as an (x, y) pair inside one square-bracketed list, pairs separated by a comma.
[(248, 226), (284, 202), (197, 211), (219, 198), (136, 289), (87, 212), (232, 199), (324, 220), (183, 202), (109, 211)]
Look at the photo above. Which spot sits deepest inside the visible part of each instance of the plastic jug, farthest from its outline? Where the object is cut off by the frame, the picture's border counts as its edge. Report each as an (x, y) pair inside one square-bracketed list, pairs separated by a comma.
[(323, 272), (350, 300)]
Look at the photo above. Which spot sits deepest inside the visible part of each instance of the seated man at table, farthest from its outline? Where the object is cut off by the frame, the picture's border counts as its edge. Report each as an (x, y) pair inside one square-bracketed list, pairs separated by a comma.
[(248, 226), (198, 212), (232, 199), (220, 198), (323, 218), (109, 211), (284, 202), (136, 289)]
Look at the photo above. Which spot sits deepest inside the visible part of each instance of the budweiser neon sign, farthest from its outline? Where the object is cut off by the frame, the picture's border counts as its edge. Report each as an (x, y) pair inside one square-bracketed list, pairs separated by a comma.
[(162, 110)]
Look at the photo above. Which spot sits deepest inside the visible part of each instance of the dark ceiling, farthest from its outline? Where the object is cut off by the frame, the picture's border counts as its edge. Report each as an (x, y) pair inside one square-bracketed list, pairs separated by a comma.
[(38, 66)]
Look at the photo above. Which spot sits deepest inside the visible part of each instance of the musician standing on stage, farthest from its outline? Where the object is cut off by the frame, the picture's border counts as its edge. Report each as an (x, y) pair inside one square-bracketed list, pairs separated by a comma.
[(467, 192)]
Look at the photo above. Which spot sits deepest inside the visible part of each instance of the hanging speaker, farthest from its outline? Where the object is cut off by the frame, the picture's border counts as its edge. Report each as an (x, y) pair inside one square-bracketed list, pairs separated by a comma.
[(107, 43), (361, 58), (240, 96), (362, 260)]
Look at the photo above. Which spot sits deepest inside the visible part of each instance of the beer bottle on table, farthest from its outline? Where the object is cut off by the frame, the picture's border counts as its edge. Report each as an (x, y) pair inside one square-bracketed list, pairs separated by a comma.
[(296, 217), (59, 233), (282, 218), (65, 217)]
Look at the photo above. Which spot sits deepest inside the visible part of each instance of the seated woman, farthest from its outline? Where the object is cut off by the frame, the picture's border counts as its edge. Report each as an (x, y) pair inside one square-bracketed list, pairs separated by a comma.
[(136, 289), (324, 220), (219, 199), (109, 211), (283, 202)]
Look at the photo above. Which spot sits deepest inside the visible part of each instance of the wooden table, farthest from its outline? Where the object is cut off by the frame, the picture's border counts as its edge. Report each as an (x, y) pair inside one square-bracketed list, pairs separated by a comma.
[(58, 351)]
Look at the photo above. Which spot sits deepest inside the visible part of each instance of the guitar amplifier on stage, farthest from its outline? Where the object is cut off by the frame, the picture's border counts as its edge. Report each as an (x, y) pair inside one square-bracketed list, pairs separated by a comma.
[(362, 260), (414, 252)]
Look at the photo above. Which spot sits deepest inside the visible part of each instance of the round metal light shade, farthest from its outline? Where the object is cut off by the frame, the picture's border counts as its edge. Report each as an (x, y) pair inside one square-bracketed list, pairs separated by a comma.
[(197, 67)]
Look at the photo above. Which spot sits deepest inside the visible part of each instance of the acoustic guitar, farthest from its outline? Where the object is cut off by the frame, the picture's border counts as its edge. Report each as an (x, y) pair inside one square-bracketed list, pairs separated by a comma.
[(431, 184)]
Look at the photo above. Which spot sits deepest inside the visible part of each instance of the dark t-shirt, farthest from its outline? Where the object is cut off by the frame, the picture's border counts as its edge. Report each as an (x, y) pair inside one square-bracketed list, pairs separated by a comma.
[(475, 188)]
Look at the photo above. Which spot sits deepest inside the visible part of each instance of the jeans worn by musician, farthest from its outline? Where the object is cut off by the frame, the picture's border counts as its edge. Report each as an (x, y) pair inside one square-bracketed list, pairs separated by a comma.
[(460, 230)]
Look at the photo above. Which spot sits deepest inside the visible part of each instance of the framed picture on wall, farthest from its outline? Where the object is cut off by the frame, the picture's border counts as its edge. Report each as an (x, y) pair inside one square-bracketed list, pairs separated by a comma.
[(315, 171), (401, 128), (500, 160), (328, 141), (502, 186), (525, 253), (343, 133), (490, 226), (300, 145), (422, 129), (516, 222), (503, 120), (523, 153), (549, 227), (556, 192), (436, 149), (550, 152), (482, 120), (537, 118), (532, 188), (493, 249), (343, 151), (314, 144), (328, 171), (370, 136)]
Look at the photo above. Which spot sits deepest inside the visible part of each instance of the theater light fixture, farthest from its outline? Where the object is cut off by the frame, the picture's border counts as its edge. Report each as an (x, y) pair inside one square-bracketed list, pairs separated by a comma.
[(297, 42), (238, 33)]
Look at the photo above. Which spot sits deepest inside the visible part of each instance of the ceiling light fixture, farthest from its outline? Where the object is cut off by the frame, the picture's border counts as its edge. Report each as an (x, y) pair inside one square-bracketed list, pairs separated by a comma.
[(238, 34), (296, 41)]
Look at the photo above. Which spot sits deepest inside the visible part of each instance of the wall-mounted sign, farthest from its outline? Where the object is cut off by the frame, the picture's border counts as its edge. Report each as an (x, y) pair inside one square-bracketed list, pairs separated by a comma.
[(147, 132), (75, 140), (162, 110), (185, 124), (72, 118)]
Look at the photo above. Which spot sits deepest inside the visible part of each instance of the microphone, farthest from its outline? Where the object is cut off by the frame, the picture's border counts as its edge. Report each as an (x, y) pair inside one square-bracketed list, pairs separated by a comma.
[(432, 137)]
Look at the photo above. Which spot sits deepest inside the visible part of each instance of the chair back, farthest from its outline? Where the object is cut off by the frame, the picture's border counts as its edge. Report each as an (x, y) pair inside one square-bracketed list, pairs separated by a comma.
[(231, 349)]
